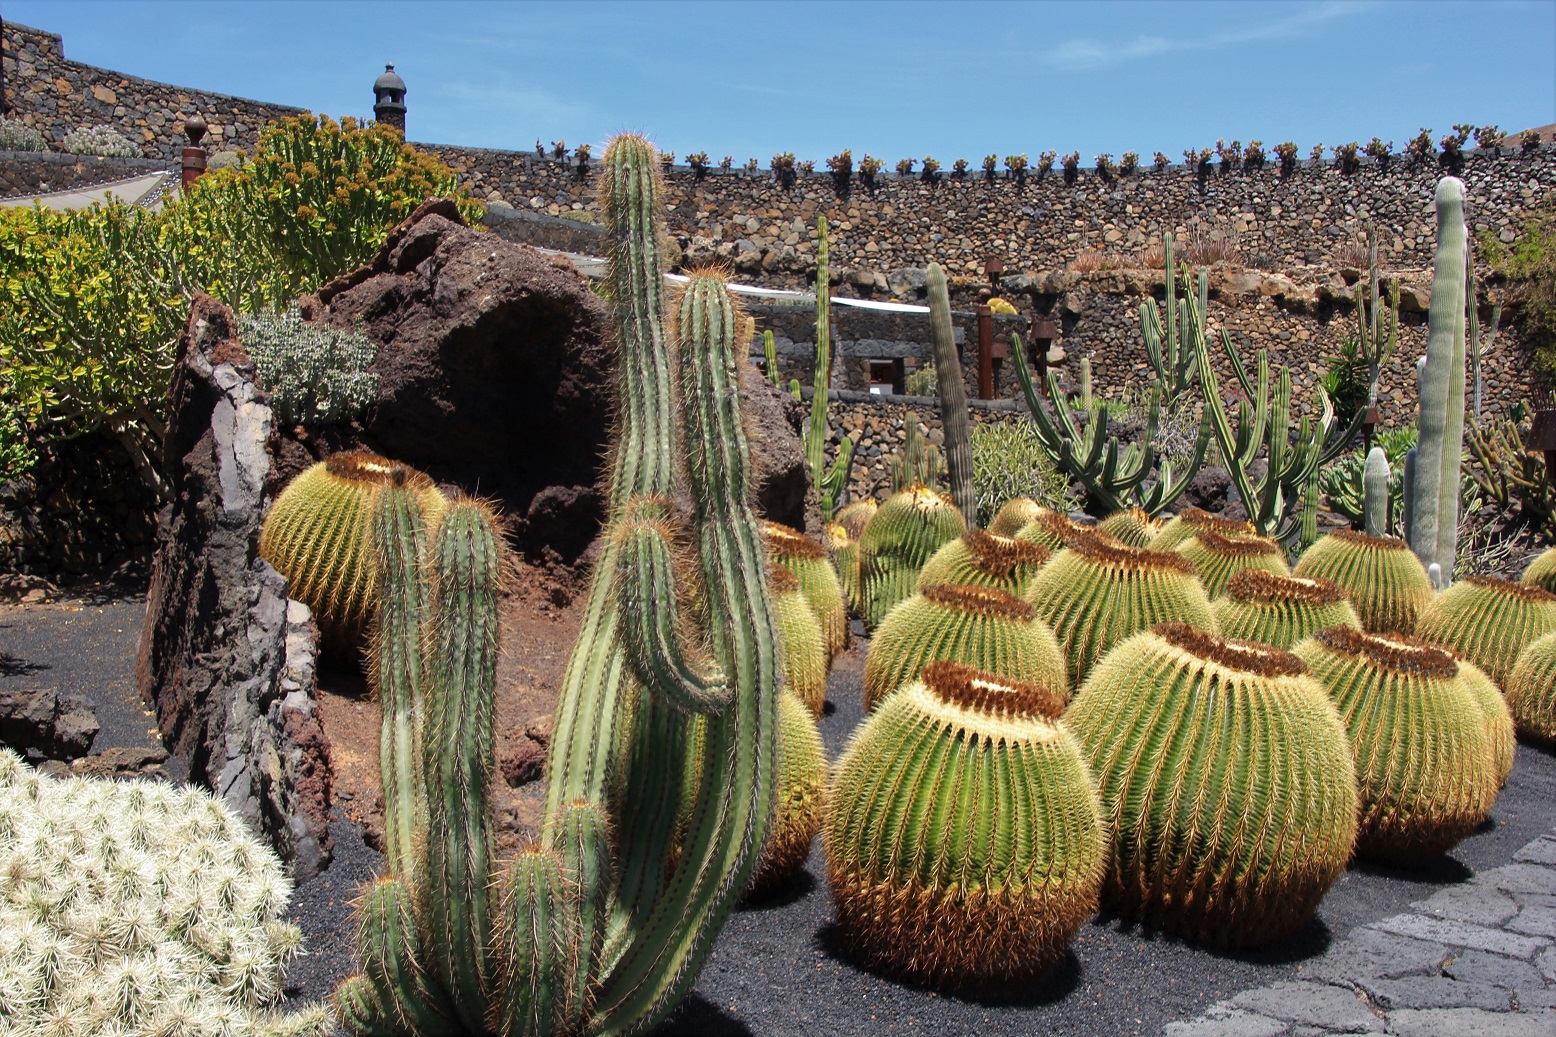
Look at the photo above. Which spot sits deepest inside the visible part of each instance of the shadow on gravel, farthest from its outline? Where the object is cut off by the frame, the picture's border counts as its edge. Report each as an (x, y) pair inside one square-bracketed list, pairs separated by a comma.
[(1053, 986), (11, 666), (1441, 870), (783, 895), (697, 1015), (1308, 942)]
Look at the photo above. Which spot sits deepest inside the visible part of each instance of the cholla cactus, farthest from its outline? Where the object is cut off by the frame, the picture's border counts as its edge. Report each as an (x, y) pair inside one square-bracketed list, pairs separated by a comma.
[(137, 908)]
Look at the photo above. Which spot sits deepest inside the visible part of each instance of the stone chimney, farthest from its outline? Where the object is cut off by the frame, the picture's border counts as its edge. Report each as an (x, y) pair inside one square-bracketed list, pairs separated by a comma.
[(389, 100)]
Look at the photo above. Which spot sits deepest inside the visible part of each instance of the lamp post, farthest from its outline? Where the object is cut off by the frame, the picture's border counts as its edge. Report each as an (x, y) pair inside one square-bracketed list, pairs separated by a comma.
[(194, 154)]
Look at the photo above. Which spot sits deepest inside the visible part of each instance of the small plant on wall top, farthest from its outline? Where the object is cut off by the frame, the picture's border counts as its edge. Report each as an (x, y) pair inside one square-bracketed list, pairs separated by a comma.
[(905, 166), (1253, 155), (726, 162), (1160, 161), (698, 160), (1231, 155), (1045, 162), (1072, 165), (1287, 151), (931, 172), (1017, 165), (1129, 163), (1317, 154), (868, 167), (959, 169), (1379, 151), (1491, 138), (783, 168), (1529, 140), (1105, 166), (805, 167), (991, 163), (1345, 157), (1421, 147)]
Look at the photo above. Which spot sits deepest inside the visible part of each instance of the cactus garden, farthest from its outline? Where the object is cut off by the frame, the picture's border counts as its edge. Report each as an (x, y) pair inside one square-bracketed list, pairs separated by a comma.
[(733, 733)]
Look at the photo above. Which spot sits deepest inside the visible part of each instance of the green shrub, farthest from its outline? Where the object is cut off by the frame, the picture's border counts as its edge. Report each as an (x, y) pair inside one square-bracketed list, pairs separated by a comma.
[(316, 375), (1529, 265), (1009, 462), (99, 140), (923, 382), (18, 136)]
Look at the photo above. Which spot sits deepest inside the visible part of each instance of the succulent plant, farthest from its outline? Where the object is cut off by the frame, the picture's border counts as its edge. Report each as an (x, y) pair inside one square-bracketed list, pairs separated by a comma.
[(856, 515), (909, 528), (1014, 514), (843, 548), (1133, 525), (1226, 780), (982, 627), (963, 840), (1424, 760), (1050, 529), (319, 536), (1190, 521), (807, 560), (1097, 592), (1380, 575), (1217, 557), (1500, 728), (1531, 691), (801, 644), (138, 908), (1489, 621), (1542, 571), (802, 778), (979, 559), (1280, 610)]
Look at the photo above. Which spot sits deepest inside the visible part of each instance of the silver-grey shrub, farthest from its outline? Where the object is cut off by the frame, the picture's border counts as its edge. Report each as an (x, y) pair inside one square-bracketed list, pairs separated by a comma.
[(18, 136), (1009, 461), (99, 140), (315, 375)]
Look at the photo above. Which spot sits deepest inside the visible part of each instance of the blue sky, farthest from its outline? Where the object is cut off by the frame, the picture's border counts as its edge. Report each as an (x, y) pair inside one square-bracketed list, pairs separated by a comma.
[(895, 78)]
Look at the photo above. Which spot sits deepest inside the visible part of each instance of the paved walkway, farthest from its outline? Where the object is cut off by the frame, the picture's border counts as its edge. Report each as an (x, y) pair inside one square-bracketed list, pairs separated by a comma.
[(146, 189), (1475, 960)]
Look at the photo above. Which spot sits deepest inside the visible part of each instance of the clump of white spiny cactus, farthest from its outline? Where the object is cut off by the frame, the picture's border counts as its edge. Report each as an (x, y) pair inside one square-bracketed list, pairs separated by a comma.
[(137, 909)]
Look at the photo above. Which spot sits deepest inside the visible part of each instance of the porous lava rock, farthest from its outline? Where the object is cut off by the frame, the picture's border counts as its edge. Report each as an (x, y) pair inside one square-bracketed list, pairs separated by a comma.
[(225, 659)]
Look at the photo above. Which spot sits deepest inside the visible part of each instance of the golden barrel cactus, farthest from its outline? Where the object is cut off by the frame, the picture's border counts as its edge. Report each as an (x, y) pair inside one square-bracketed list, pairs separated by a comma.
[(802, 646), (1542, 571), (808, 561), (1280, 610), (1531, 691), (907, 530), (1218, 557), (1381, 575), (1489, 621), (1014, 514), (979, 559), (1050, 529), (802, 778), (1133, 525), (1190, 521)]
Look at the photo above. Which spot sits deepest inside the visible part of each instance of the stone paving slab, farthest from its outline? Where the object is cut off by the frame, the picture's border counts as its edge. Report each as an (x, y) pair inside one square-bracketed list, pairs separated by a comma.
[(1473, 960)]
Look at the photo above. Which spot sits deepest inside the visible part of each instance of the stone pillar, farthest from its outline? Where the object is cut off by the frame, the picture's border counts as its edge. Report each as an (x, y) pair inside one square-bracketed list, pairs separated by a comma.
[(389, 100)]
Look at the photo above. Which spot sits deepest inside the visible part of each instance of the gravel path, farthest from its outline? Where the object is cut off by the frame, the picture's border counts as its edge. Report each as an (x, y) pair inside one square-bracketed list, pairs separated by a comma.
[(778, 968)]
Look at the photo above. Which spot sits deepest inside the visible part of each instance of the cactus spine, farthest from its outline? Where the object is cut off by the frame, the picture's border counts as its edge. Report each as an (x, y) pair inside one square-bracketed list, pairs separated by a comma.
[(830, 483), (1218, 558), (1375, 492), (1280, 610), (1435, 507), (953, 396), (1134, 526)]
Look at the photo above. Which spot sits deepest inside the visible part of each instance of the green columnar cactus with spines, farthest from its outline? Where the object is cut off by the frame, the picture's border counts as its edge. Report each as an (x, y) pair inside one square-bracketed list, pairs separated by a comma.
[(1218, 558), (963, 839), (1085, 399), (1226, 780), (1280, 610), (1489, 621), (1542, 571), (980, 627), (802, 645), (1172, 361), (920, 461), (1050, 529), (1424, 760), (1189, 521), (953, 397), (807, 560), (1375, 492), (1097, 592), (1380, 575), (979, 559), (1435, 509), (1014, 514), (770, 355), (318, 535), (138, 909), (1531, 691), (593, 931), (909, 528), (802, 778), (831, 483), (1500, 729), (1134, 526)]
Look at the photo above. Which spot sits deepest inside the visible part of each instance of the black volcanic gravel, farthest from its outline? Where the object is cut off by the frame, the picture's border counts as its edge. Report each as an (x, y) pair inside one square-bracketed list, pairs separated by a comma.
[(778, 967)]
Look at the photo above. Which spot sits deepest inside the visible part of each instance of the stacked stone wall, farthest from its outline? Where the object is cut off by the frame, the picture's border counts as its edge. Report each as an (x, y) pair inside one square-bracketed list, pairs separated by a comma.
[(38, 172)]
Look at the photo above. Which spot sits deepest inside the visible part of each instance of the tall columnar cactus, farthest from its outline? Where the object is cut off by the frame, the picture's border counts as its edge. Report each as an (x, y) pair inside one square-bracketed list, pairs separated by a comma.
[(953, 396), (807, 560), (1280, 610), (1134, 526), (980, 627), (1217, 558), (1172, 360), (1189, 521), (909, 528), (1014, 514), (1380, 575), (594, 931), (1489, 621), (979, 559), (1097, 592), (1226, 780), (1531, 691), (963, 839), (319, 536), (1424, 760), (1375, 492), (831, 483), (1435, 509)]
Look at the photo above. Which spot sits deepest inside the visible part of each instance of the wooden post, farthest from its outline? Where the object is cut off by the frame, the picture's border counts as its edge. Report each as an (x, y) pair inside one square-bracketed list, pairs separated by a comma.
[(985, 352)]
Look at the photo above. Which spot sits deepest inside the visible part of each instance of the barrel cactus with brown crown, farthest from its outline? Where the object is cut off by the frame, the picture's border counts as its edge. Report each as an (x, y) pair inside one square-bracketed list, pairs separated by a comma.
[(1050, 529), (1226, 780), (808, 561), (963, 837), (802, 778), (1014, 514), (1381, 575), (1542, 571), (1424, 759), (319, 536), (1190, 521), (979, 559), (1218, 557), (907, 530), (1531, 691), (802, 647), (843, 548), (983, 627), (1133, 525), (1489, 621), (856, 515), (1097, 592), (1280, 610)]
